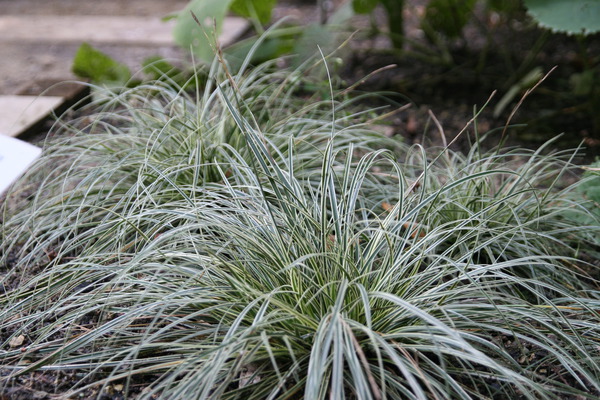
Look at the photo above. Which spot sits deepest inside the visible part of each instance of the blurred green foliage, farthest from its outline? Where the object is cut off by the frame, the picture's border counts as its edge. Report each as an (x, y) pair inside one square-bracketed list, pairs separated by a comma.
[(98, 67)]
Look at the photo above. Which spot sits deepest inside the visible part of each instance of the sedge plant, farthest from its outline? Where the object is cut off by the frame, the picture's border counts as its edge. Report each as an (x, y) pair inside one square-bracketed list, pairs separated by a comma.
[(250, 242)]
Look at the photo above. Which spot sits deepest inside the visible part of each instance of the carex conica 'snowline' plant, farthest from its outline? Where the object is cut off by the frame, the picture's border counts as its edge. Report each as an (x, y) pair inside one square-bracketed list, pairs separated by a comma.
[(253, 242)]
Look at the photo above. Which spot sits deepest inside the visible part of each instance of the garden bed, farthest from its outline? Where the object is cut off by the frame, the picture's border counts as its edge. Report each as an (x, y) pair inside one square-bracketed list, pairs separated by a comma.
[(266, 239)]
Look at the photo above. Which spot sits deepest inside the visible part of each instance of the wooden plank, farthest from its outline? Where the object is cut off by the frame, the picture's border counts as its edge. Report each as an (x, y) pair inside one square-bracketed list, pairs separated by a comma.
[(19, 113), (122, 30)]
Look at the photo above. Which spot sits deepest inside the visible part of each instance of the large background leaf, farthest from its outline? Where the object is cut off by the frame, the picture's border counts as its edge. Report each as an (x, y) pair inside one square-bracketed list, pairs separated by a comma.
[(201, 39), (569, 16)]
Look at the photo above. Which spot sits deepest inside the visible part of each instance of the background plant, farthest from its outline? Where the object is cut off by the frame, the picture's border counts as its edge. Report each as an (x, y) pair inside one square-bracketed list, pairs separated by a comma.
[(102, 70), (589, 189), (574, 18)]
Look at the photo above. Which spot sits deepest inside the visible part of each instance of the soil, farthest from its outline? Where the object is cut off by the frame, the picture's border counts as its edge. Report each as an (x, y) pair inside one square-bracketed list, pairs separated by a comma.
[(437, 90)]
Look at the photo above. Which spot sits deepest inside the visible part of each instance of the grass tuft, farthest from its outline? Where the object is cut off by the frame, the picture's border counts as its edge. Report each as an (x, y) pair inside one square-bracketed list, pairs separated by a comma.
[(252, 243)]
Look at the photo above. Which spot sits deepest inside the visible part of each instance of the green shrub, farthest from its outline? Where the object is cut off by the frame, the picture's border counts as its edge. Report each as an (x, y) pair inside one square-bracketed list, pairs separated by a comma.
[(253, 243)]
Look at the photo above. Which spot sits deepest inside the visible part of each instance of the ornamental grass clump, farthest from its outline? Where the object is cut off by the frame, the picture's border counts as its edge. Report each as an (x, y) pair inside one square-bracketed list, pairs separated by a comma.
[(250, 243)]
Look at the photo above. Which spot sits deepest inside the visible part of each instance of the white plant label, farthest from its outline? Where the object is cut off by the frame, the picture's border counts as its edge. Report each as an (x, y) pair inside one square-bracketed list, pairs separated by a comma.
[(15, 157)]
